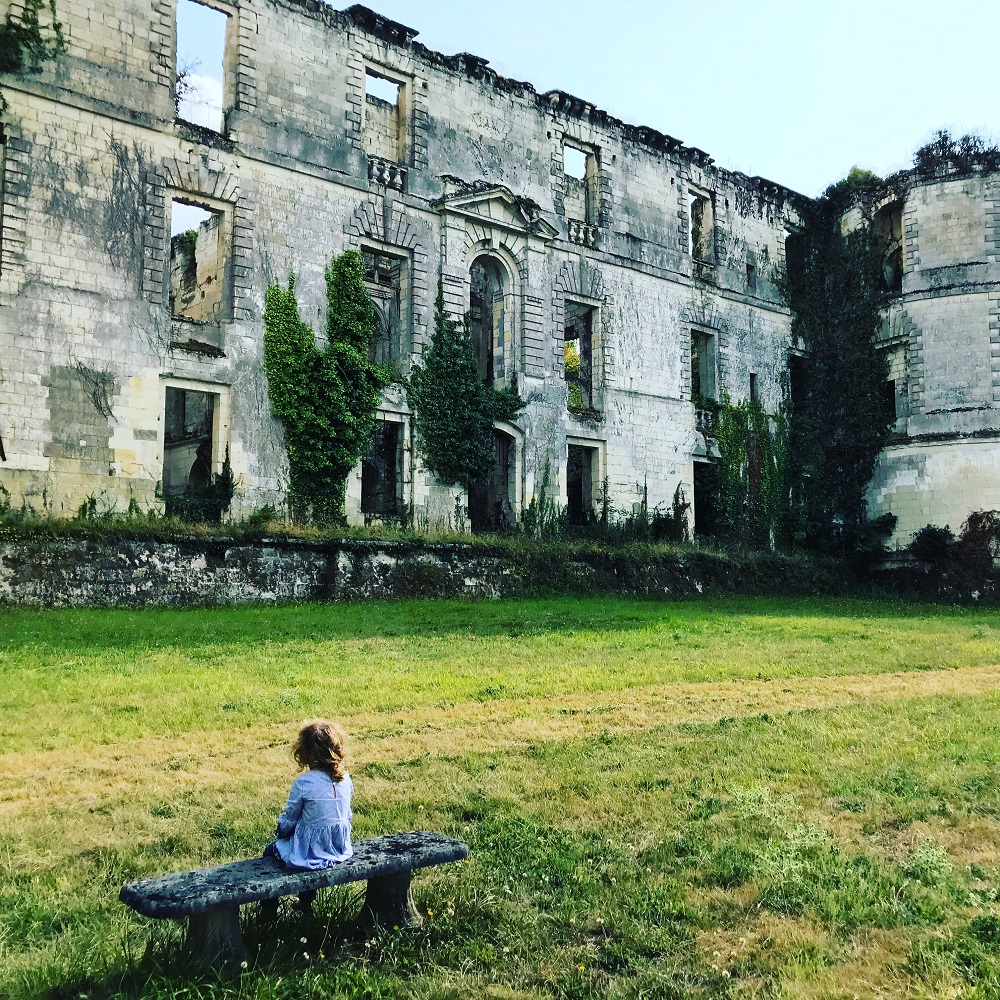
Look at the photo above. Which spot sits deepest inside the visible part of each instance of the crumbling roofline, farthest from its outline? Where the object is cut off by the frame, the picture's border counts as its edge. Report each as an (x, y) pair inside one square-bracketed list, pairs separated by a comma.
[(554, 101)]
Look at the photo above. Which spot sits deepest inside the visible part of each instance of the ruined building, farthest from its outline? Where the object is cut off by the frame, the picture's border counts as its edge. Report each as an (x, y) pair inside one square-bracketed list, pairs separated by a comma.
[(617, 275)]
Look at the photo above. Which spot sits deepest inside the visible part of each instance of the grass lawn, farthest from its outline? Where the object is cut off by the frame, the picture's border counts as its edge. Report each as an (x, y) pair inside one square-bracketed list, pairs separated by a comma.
[(717, 798)]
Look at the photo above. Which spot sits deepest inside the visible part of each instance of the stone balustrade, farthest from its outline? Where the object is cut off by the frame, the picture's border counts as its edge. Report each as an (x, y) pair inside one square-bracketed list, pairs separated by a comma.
[(582, 233), (386, 173)]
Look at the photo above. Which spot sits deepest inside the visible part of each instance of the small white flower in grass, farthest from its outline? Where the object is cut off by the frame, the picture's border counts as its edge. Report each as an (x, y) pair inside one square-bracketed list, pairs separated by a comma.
[(244, 964), (305, 955), (303, 940), (726, 973)]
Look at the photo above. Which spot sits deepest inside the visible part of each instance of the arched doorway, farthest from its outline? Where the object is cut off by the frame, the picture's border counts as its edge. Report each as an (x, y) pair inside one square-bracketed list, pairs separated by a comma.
[(492, 504), (487, 317)]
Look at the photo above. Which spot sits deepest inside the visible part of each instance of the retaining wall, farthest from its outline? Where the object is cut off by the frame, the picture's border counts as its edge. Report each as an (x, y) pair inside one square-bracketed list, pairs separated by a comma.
[(78, 572)]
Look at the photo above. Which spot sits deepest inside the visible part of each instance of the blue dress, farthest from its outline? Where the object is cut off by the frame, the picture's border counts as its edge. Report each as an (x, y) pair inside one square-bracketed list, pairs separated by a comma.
[(314, 828)]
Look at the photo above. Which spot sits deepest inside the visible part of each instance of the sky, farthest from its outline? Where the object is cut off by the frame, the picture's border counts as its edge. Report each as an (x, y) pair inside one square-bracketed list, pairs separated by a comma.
[(797, 91)]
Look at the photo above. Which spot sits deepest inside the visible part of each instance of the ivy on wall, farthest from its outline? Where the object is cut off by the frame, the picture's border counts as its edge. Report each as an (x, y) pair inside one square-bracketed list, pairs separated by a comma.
[(453, 409), (26, 42), (840, 421), (326, 398), (750, 489)]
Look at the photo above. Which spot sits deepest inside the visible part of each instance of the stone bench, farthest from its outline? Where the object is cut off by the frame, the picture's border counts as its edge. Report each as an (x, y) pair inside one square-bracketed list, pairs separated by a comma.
[(211, 897)]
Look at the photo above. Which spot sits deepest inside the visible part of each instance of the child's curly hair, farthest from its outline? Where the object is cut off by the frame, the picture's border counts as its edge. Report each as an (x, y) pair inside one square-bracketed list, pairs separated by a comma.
[(322, 746)]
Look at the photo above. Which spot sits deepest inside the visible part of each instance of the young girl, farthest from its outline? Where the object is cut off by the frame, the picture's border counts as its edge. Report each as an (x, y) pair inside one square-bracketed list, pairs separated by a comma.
[(314, 828)]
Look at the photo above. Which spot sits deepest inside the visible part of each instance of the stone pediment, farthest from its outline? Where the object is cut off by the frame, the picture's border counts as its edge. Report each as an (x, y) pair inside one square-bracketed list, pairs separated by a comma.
[(499, 208)]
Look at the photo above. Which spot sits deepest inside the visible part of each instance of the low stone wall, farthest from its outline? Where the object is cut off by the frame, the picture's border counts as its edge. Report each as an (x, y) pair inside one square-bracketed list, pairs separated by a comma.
[(101, 572)]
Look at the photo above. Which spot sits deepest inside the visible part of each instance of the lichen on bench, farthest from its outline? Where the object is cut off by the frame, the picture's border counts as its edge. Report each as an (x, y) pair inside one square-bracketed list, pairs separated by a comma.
[(211, 897)]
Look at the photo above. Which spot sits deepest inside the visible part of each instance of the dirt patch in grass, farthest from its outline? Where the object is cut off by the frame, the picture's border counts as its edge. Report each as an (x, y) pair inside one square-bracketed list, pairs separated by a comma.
[(89, 776)]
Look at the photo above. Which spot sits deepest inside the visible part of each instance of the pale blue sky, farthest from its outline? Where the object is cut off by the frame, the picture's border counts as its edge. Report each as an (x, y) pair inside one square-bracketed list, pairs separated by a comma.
[(798, 92)]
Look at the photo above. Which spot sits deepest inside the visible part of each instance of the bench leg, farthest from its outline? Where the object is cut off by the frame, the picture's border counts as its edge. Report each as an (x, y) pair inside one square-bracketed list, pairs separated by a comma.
[(215, 939), (389, 902)]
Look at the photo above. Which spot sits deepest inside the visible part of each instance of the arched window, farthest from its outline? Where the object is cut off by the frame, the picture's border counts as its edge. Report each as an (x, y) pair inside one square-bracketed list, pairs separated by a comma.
[(887, 228), (487, 317)]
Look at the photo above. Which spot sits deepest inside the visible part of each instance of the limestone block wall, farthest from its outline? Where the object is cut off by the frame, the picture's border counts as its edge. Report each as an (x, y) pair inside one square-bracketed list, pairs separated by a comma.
[(943, 333), (94, 157)]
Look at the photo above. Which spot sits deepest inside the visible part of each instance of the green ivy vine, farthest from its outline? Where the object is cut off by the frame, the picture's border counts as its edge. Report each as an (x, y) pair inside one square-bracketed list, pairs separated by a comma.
[(326, 398), (453, 410), (25, 42), (750, 488), (840, 422)]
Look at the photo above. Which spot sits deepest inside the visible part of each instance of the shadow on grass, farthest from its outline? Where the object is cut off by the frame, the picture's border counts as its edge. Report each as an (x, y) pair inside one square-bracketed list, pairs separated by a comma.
[(90, 630)]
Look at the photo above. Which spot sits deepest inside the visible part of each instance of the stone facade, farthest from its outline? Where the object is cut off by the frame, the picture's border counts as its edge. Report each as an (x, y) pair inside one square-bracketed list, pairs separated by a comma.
[(942, 330), (613, 272), (538, 210)]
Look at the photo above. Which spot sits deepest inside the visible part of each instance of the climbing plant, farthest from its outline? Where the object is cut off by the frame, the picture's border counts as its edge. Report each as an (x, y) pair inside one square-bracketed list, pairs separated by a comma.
[(454, 410), (840, 422), (26, 41), (326, 398), (749, 495)]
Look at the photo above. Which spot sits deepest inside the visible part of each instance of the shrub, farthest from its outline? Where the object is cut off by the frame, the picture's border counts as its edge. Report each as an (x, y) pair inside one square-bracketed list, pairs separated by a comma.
[(932, 544)]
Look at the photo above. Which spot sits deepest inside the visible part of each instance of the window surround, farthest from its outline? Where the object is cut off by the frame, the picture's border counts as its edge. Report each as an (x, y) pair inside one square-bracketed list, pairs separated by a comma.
[(599, 470), (404, 108), (596, 346), (230, 57), (213, 205), (405, 256), (221, 420)]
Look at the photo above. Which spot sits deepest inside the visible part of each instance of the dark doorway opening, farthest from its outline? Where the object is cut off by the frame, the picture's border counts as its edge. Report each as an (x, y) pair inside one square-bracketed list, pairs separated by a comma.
[(382, 473), (491, 504), (706, 500), (581, 476), (188, 449)]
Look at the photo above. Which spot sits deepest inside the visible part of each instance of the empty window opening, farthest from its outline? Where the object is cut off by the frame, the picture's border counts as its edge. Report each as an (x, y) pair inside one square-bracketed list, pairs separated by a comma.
[(487, 318), (887, 229), (387, 281), (581, 484), (384, 120), (795, 257), (702, 367), (200, 86), (381, 89), (491, 504), (188, 440), (580, 170), (702, 229), (197, 263), (751, 272), (889, 399), (754, 398), (578, 353), (797, 383), (382, 473), (708, 486), (3, 454), (574, 163)]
